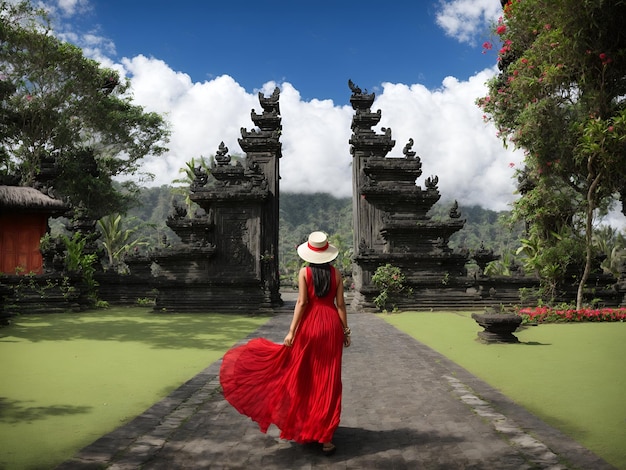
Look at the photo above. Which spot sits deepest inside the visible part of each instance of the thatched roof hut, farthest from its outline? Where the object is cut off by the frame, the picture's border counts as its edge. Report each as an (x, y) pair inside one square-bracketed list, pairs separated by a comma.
[(24, 216), (26, 199)]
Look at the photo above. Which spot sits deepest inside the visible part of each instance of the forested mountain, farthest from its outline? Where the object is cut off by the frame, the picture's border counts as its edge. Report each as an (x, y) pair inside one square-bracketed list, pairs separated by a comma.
[(301, 214)]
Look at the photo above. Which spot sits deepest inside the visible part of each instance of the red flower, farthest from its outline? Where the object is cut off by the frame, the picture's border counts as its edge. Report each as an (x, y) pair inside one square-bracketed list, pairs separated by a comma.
[(605, 59), (546, 314), (501, 29)]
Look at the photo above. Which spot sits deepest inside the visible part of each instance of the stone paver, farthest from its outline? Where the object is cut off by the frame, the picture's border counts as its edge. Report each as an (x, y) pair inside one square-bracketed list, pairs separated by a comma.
[(404, 407)]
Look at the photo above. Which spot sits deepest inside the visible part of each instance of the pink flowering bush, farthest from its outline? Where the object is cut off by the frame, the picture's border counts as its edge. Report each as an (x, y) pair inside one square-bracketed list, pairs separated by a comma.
[(390, 281), (554, 315)]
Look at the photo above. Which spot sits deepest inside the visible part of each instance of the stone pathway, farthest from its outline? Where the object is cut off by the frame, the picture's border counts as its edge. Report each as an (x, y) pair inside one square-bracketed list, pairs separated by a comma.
[(404, 407)]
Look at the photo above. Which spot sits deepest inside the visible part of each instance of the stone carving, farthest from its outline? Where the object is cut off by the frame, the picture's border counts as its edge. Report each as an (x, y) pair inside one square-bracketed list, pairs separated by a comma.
[(498, 326), (201, 177), (391, 212), (454, 211), (407, 150), (217, 264), (483, 257), (355, 89), (270, 104), (178, 211), (221, 156), (431, 183)]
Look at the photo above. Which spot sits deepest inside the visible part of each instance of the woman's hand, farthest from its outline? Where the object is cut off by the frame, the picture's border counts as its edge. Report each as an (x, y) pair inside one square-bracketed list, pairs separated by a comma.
[(346, 342), (288, 341)]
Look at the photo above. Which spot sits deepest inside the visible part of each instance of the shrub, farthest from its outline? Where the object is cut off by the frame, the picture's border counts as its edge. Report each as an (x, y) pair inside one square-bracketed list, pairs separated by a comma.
[(554, 315), (390, 281)]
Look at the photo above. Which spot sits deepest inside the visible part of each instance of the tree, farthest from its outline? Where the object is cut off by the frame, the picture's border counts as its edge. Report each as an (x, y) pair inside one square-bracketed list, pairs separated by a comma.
[(561, 96), (117, 241), (68, 123)]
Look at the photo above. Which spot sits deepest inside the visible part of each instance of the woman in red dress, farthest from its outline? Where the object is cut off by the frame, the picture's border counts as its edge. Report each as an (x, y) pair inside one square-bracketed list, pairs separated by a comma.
[(297, 385)]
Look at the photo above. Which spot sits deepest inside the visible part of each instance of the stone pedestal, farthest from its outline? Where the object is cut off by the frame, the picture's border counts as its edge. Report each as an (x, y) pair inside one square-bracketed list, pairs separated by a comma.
[(498, 327)]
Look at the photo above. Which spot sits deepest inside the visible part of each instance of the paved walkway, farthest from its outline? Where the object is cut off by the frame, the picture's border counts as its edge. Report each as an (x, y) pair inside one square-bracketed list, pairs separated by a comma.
[(404, 407)]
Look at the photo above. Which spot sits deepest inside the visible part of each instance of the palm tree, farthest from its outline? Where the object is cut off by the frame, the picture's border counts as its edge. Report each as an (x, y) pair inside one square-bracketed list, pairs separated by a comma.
[(115, 239), (189, 172)]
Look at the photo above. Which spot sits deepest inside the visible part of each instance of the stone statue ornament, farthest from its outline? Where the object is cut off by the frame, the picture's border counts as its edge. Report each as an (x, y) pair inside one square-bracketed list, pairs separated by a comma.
[(201, 177), (454, 211), (407, 150), (221, 156), (431, 182), (364, 248), (483, 257), (178, 211), (270, 103), (355, 89)]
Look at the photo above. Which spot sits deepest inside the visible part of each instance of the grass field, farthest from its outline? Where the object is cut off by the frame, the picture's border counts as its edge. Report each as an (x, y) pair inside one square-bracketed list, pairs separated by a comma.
[(572, 375), (68, 379)]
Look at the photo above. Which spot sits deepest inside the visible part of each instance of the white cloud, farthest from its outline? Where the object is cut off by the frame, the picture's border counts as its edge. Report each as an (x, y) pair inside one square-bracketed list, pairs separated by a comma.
[(71, 7), (201, 115), (316, 153), (466, 19), (450, 136), (63, 8), (452, 140)]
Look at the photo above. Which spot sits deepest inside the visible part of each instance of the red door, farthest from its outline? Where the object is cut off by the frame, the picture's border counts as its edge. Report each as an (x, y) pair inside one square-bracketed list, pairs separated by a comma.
[(19, 243)]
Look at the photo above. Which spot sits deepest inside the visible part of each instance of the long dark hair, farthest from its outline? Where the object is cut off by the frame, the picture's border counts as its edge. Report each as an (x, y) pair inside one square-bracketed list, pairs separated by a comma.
[(321, 278)]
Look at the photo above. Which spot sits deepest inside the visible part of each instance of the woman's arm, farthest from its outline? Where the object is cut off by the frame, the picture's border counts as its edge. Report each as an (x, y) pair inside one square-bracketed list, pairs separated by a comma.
[(340, 302), (301, 303)]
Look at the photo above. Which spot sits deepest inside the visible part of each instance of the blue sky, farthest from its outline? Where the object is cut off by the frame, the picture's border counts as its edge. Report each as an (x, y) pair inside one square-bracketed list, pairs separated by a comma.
[(315, 46), (202, 64)]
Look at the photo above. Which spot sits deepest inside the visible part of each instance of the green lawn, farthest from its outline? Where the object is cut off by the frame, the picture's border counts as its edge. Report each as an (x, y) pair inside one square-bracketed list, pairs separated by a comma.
[(67, 379), (572, 375)]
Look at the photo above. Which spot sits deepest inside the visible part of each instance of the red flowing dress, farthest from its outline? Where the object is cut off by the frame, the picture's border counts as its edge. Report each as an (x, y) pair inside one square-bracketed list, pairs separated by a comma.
[(296, 388)]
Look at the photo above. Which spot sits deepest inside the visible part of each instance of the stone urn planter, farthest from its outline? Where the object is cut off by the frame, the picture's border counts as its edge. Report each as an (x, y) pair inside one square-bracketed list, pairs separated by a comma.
[(498, 326)]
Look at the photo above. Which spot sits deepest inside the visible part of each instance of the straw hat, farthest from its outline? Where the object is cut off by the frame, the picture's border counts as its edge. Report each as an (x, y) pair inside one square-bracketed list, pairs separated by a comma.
[(317, 250)]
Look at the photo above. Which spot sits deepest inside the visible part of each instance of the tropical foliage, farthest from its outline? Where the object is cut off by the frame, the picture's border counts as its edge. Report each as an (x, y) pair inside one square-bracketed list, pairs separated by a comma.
[(389, 280), (117, 241), (79, 261), (561, 96), (67, 122), (188, 173)]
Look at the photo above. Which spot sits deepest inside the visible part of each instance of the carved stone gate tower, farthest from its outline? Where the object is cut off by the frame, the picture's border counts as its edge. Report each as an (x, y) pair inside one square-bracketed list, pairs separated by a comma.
[(227, 260), (390, 214)]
